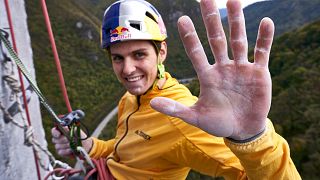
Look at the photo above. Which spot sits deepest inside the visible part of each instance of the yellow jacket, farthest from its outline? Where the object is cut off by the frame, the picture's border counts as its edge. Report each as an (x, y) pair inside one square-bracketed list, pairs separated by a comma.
[(151, 145)]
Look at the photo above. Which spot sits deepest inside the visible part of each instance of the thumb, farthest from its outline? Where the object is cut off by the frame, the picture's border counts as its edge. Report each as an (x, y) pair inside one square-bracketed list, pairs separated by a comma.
[(173, 108)]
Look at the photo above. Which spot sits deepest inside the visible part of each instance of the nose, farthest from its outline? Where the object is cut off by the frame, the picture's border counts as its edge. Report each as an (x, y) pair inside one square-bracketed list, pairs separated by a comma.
[(128, 66)]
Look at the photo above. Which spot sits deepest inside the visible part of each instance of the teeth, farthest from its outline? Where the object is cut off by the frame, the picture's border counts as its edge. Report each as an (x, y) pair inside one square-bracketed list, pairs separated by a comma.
[(131, 79)]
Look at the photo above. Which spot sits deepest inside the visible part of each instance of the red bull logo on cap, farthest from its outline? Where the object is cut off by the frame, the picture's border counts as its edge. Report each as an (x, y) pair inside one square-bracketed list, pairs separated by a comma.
[(119, 33)]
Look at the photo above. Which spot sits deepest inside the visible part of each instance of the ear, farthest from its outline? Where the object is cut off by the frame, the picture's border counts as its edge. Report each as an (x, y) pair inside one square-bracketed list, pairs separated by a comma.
[(163, 51)]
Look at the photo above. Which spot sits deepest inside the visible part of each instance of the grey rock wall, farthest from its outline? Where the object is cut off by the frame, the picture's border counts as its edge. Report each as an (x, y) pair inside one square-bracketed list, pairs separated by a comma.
[(17, 160)]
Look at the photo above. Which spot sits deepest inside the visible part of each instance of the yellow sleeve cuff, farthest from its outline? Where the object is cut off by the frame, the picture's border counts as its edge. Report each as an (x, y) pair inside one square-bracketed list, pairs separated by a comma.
[(100, 148), (255, 144)]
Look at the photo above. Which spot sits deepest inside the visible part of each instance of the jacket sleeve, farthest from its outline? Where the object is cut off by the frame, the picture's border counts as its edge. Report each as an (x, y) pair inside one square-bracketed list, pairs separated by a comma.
[(203, 153), (101, 149), (267, 157)]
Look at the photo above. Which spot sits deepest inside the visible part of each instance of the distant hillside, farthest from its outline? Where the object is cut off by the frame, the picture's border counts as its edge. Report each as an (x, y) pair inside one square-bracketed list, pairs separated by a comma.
[(286, 14), (295, 69)]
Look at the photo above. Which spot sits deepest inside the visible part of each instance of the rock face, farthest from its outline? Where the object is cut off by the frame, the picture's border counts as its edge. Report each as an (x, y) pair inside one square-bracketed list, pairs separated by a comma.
[(17, 160)]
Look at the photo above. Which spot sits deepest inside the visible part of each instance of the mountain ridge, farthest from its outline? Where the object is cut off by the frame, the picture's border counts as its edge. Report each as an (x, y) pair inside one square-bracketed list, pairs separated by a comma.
[(286, 14)]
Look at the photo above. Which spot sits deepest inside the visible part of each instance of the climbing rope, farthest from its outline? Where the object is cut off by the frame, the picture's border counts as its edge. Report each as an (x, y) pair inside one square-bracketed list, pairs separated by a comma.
[(13, 84), (9, 78), (72, 120), (28, 134), (60, 122), (15, 90), (99, 172), (56, 55), (21, 79)]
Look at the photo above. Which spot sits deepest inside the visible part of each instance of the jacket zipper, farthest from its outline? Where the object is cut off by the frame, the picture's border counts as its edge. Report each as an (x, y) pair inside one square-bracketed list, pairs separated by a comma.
[(126, 132)]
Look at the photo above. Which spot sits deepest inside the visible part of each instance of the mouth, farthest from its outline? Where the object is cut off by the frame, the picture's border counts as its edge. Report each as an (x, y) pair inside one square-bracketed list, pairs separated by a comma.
[(134, 79)]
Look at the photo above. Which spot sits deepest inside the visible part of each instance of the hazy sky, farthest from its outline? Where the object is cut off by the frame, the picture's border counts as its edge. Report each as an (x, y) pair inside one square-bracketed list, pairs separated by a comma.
[(222, 3)]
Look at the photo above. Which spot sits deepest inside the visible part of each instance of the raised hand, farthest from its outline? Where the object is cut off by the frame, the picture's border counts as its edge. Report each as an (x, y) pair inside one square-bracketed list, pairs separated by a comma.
[(235, 95)]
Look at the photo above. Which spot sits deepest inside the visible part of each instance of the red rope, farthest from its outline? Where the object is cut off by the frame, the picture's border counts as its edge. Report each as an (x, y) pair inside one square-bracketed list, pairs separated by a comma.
[(100, 169), (64, 173), (56, 56), (100, 172), (21, 81)]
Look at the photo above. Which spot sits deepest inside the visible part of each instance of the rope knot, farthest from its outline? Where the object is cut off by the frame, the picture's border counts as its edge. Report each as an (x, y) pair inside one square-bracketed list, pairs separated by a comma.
[(6, 115), (28, 135), (13, 84)]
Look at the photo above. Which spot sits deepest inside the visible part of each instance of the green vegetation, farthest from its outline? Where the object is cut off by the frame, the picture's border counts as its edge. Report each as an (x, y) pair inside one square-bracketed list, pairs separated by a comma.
[(286, 14), (295, 69)]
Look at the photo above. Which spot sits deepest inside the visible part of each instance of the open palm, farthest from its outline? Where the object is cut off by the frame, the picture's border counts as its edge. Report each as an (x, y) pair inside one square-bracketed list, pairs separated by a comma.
[(235, 95)]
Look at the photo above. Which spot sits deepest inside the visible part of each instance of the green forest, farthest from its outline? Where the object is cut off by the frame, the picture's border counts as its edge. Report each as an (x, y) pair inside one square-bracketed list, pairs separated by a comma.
[(92, 86)]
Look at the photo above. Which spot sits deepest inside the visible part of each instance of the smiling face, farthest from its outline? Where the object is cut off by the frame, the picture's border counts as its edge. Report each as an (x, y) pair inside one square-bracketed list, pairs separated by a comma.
[(135, 64)]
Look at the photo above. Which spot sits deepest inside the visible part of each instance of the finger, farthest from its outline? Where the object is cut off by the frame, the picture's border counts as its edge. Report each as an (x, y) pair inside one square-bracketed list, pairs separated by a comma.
[(55, 132), (62, 146), (264, 42), (192, 44), (216, 36), (238, 36), (173, 108), (60, 140), (65, 152)]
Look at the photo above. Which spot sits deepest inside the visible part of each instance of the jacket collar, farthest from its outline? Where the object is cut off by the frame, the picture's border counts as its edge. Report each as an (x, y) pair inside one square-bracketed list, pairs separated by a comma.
[(155, 91)]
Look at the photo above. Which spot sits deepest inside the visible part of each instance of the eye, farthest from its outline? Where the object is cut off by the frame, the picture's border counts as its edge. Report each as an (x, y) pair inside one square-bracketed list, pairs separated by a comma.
[(139, 55), (116, 58)]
